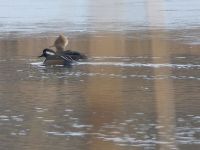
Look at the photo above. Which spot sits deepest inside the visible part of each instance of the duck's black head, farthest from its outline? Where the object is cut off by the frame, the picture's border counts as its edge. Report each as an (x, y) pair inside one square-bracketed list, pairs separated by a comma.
[(47, 52)]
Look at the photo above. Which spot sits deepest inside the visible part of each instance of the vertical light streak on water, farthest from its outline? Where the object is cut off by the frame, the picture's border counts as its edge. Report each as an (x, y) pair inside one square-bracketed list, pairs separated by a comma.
[(98, 88), (164, 95)]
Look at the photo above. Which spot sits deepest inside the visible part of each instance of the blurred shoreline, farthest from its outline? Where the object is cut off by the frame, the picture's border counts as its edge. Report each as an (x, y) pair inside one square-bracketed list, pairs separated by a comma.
[(188, 36)]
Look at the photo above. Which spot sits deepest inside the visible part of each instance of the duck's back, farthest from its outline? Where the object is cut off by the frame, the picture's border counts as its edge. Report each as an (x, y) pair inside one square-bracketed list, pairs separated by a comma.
[(75, 55)]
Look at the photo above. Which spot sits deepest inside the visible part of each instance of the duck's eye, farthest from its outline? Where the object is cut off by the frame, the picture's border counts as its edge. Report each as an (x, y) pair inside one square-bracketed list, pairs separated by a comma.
[(50, 53)]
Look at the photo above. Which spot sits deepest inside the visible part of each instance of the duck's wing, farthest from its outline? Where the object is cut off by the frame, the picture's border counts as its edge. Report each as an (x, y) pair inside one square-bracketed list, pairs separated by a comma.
[(75, 55)]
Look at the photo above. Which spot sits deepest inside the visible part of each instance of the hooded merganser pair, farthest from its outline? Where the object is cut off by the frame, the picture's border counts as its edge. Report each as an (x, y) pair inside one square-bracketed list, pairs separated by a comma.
[(61, 56)]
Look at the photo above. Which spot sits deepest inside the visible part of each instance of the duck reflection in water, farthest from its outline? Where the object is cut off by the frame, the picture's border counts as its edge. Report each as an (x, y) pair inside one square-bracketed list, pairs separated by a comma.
[(61, 56)]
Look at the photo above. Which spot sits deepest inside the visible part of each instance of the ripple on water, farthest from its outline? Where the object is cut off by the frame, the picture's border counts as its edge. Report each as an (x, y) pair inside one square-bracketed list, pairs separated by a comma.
[(12, 124), (133, 131), (123, 64), (70, 134), (141, 132), (181, 70), (38, 64), (83, 73)]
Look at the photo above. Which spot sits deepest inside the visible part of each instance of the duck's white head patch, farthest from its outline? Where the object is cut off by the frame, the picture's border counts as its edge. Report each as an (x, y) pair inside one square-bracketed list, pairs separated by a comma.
[(50, 53)]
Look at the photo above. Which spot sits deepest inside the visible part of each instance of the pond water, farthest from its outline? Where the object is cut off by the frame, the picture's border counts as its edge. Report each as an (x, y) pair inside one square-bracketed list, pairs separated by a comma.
[(138, 90), (138, 93)]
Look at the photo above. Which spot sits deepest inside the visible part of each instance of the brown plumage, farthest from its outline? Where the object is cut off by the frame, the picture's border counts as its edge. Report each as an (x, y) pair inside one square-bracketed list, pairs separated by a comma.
[(60, 43)]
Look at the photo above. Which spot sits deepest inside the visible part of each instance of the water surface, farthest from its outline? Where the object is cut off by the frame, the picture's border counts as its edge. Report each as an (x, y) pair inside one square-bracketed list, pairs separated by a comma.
[(139, 88), (138, 93), (39, 16)]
